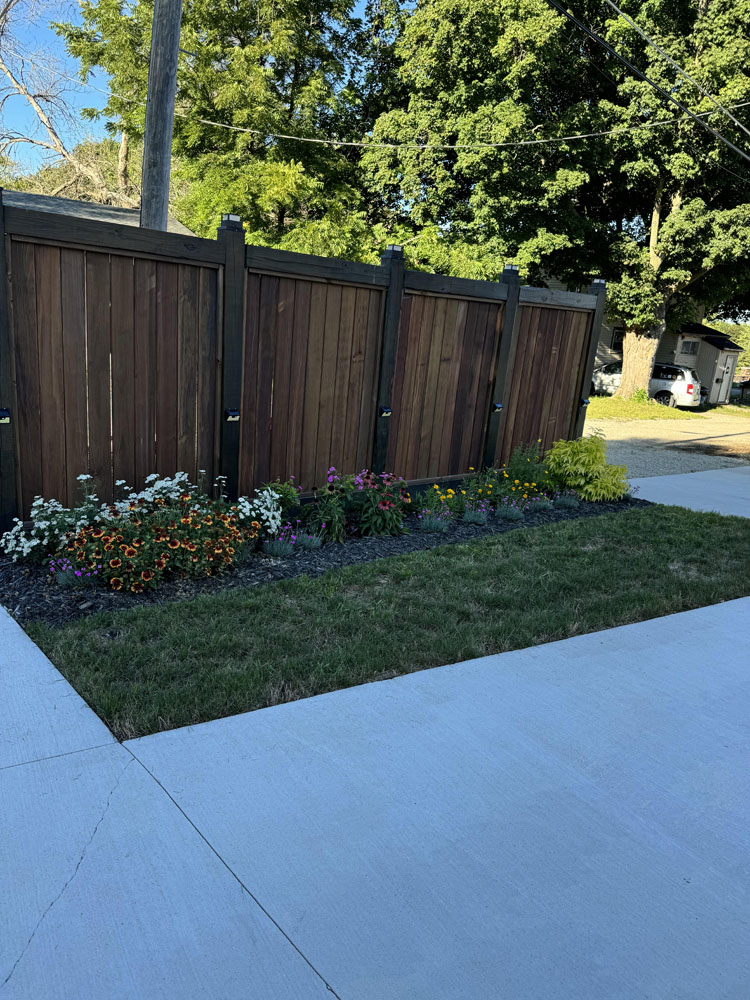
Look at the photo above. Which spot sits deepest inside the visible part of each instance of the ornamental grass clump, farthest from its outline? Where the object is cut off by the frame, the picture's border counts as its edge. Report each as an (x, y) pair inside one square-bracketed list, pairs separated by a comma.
[(510, 509), (283, 545), (536, 505), (433, 521), (476, 511), (567, 501)]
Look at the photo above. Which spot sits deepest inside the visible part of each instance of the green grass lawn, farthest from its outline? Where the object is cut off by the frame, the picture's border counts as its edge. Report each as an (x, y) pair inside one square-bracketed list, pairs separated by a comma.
[(610, 408), (160, 666), (735, 409)]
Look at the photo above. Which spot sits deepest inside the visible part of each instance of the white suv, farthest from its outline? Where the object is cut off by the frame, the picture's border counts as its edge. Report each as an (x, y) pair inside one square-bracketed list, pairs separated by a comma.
[(671, 385)]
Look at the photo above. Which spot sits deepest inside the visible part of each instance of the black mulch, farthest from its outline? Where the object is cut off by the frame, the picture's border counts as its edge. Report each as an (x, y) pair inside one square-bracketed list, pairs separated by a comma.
[(29, 593)]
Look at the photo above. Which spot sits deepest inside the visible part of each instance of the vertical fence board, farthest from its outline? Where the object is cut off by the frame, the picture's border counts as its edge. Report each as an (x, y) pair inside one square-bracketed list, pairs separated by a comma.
[(75, 420), (247, 477), (368, 401), (269, 298), (482, 396), (52, 398), (456, 340), (327, 381), (426, 423), (298, 377), (315, 343), (208, 374), (144, 369), (355, 387), (167, 292), (342, 376), (187, 370), (98, 315), (123, 369), (26, 351), (399, 372), (442, 386), (282, 385)]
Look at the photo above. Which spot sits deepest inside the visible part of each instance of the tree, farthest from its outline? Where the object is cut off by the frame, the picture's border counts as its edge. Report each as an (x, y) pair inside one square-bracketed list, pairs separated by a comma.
[(256, 67), (661, 212), (37, 81), (685, 240)]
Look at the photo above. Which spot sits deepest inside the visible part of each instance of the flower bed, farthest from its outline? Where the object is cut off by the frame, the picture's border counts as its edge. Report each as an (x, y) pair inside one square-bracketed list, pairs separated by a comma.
[(28, 593), (173, 531)]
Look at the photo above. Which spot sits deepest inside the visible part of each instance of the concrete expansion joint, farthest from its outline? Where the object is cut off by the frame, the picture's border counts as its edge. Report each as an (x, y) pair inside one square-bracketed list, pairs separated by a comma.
[(65, 887)]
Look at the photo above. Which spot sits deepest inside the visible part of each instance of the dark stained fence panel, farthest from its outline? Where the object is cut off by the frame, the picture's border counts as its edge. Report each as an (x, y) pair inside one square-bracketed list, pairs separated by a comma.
[(115, 358), (544, 398), (310, 358), (441, 384)]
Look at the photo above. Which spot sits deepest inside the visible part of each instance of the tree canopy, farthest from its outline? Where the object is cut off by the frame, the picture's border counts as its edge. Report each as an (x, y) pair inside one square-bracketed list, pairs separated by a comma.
[(659, 206)]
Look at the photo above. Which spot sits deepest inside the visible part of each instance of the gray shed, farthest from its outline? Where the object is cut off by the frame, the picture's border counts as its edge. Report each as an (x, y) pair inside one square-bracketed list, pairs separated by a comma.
[(709, 352)]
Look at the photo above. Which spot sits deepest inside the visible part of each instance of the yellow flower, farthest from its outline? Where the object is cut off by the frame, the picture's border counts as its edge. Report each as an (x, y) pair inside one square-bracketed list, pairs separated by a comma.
[(463, 493), (471, 468), (516, 481)]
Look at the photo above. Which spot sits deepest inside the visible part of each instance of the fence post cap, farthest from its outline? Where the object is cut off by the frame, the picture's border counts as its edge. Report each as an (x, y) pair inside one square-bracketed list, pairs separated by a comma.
[(393, 251), (510, 273), (230, 222), (598, 285)]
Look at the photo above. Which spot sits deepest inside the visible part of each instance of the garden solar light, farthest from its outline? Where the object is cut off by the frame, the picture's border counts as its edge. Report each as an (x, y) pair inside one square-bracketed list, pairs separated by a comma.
[(231, 416), (496, 407), (4, 416), (385, 411)]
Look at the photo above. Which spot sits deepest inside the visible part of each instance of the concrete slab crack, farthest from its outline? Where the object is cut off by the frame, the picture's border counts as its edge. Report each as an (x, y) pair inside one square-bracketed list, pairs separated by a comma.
[(62, 891)]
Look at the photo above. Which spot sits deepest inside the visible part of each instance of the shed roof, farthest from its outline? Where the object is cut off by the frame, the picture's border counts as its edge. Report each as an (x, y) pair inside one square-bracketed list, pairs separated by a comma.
[(83, 210), (714, 337)]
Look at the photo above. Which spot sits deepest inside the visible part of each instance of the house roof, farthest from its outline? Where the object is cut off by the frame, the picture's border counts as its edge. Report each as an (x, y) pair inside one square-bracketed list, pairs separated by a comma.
[(714, 337), (83, 210)]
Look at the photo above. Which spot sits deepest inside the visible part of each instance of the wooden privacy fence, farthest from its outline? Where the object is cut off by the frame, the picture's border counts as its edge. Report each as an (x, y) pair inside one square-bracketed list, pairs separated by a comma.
[(125, 352)]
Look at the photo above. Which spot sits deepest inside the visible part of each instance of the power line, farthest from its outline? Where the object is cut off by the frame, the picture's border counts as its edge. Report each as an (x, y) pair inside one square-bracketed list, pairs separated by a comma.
[(677, 66), (369, 144), (597, 38)]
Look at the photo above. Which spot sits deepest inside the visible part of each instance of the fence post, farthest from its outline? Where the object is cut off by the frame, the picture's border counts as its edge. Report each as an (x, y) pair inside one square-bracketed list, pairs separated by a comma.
[(504, 364), (8, 469), (599, 289), (232, 237), (393, 259)]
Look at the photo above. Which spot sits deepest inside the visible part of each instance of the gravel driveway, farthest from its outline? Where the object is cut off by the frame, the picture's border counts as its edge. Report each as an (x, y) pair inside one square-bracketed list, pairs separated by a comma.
[(671, 447)]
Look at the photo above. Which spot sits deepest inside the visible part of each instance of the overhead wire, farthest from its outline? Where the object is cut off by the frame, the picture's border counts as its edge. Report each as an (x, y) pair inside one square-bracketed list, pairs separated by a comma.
[(605, 44), (676, 65)]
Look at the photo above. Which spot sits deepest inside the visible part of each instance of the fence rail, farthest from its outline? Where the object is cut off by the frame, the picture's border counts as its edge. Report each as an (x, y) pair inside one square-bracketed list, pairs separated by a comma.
[(125, 352)]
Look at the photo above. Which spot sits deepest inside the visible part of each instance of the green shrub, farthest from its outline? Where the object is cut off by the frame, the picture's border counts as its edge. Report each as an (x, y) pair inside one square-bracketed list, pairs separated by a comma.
[(526, 466), (640, 396), (582, 466)]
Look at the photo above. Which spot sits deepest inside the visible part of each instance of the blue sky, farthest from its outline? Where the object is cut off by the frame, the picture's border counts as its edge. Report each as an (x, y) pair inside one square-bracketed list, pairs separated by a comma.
[(32, 37)]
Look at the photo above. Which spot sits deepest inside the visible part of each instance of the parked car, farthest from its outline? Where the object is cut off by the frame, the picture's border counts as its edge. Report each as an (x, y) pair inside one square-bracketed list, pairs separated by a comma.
[(671, 385)]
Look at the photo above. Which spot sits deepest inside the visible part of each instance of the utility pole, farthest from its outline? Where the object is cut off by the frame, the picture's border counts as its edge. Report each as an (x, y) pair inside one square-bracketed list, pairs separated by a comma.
[(162, 84)]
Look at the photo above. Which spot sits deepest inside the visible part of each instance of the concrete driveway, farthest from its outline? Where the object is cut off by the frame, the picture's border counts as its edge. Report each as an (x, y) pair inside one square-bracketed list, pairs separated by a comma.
[(718, 439), (726, 491), (565, 822)]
